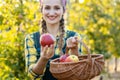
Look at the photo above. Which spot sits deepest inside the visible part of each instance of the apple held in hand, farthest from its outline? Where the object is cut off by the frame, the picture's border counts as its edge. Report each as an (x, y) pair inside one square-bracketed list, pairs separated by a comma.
[(72, 58), (47, 39), (63, 57)]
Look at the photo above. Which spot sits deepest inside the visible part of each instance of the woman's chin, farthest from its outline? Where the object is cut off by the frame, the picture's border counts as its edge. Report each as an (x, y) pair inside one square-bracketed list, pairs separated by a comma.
[(53, 22)]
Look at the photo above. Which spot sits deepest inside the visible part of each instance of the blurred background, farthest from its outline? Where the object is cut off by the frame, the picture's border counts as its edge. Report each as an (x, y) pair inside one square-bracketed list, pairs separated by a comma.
[(98, 22)]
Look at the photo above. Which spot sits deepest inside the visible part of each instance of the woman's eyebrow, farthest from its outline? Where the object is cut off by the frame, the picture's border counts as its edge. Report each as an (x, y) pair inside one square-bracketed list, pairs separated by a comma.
[(47, 5)]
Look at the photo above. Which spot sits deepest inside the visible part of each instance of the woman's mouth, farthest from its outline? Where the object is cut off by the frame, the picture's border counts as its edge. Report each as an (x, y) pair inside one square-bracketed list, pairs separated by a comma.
[(51, 17)]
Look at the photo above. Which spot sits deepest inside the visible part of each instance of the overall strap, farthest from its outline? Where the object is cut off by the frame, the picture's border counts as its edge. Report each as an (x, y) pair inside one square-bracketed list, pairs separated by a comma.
[(70, 34), (36, 38)]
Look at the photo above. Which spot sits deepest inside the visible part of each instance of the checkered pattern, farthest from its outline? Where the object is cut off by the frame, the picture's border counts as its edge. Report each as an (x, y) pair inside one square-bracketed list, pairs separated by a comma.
[(31, 53)]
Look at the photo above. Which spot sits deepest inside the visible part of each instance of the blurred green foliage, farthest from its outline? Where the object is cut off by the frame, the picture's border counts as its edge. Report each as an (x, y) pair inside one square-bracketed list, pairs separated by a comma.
[(96, 20), (17, 18)]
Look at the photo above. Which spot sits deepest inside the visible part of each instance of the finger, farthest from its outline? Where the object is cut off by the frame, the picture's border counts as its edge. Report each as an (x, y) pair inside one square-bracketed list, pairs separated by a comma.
[(76, 39), (74, 43), (50, 51), (70, 43), (52, 48), (73, 40), (70, 40), (42, 48), (45, 49)]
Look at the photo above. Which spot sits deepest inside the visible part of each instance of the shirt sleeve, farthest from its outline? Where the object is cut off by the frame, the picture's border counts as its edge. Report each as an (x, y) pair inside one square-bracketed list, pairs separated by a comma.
[(30, 56)]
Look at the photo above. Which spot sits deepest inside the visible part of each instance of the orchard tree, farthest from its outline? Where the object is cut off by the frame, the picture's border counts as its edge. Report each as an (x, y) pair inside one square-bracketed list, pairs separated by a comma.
[(17, 18), (98, 22), (115, 32)]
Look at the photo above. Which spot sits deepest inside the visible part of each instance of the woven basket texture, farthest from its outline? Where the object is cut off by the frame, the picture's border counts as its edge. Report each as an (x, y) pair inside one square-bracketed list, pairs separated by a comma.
[(89, 66)]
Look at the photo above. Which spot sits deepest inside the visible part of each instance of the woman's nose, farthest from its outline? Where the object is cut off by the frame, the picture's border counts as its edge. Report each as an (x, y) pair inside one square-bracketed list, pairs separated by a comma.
[(51, 12)]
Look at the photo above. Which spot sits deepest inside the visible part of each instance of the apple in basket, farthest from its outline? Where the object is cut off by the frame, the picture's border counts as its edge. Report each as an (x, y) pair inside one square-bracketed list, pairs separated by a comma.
[(72, 58), (47, 39), (63, 57)]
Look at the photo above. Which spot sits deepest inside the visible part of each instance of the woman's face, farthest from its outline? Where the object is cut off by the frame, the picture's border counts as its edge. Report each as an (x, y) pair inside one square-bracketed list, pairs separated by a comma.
[(52, 11)]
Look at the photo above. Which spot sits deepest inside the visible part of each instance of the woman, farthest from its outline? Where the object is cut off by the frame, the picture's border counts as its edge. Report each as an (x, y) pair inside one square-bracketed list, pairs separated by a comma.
[(38, 57)]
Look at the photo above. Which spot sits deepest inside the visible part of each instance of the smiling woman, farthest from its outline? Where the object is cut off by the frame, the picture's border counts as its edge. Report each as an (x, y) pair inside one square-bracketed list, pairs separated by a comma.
[(38, 57), (52, 14)]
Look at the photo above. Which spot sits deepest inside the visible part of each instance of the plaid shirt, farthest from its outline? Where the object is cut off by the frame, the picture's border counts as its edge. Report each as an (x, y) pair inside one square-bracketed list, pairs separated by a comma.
[(31, 53)]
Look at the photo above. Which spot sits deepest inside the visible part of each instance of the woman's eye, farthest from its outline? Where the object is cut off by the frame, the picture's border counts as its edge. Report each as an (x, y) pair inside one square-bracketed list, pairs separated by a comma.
[(47, 8), (57, 8)]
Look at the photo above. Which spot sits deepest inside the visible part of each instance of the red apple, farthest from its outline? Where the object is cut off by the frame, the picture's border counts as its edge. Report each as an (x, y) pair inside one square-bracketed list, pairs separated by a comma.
[(46, 39), (63, 57), (72, 58)]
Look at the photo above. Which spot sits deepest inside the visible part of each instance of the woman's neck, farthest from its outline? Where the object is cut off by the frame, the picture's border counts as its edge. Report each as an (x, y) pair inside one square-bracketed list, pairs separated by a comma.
[(53, 29)]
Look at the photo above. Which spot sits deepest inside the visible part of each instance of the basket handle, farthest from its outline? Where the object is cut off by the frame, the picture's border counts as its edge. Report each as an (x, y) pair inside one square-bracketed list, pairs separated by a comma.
[(88, 50)]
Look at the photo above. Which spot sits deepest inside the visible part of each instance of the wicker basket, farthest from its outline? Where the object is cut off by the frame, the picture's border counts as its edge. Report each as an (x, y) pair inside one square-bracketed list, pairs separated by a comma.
[(89, 66)]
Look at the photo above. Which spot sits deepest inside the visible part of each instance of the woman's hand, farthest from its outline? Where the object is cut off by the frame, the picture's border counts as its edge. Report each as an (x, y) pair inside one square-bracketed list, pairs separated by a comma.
[(47, 52), (72, 42)]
